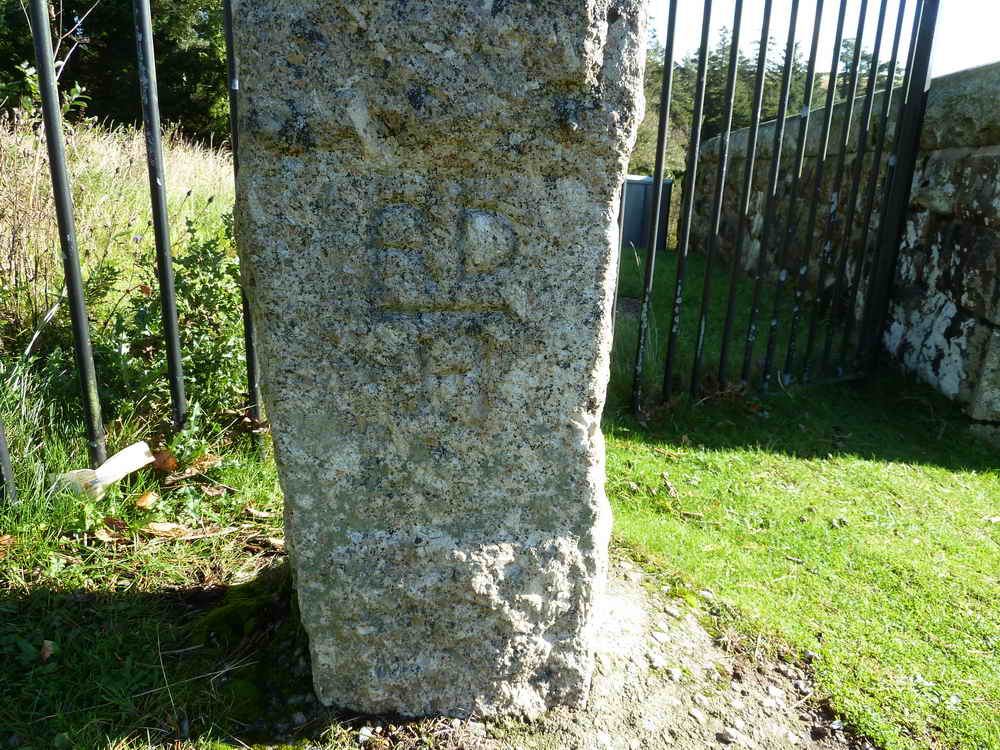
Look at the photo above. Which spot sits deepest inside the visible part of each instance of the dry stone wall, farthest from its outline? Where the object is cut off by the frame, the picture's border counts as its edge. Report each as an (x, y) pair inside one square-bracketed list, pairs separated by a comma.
[(944, 322)]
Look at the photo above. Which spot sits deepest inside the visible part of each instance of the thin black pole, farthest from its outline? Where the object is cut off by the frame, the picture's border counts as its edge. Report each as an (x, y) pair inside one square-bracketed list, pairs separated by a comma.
[(872, 188), (720, 185), (249, 338), (826, 246), (8, 490), (772, 195), (898, 200), (67, 231), (621, 241), (821, 157), (793, 212), (158, 199), (905, 94), (687, 212), (653, 221), (852, 200), (745, 192)]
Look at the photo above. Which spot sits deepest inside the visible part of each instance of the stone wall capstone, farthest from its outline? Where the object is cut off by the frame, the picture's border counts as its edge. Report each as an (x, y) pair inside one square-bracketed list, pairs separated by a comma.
[(426, 215)]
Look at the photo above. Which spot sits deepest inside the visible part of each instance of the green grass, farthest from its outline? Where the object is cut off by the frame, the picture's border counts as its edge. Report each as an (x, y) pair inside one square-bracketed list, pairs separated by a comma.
[(711, 375), (855, 521)]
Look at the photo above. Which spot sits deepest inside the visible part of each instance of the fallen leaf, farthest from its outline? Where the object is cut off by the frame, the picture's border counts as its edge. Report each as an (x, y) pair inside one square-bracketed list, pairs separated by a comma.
[(48, 648), (146, 500), (253, 512), (116, 524), (6, 542), (205, 462), (177, 476), (107, 536), (212, 490), (277, 542), (668, 453), (166, 529), (179, 533), (164, 460), (671, 490)]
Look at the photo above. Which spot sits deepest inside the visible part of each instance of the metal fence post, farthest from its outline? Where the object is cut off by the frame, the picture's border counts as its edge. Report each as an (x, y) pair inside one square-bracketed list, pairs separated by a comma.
[(687, 207), (249, 338), (904, 162), (67, 230), (158, 198), (653, 224), (8, 490)]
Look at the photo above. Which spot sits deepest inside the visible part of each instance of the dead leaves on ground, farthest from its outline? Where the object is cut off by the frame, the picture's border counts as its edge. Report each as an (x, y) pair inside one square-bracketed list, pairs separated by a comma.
[(180, 533), (6, 542), (146, 500)]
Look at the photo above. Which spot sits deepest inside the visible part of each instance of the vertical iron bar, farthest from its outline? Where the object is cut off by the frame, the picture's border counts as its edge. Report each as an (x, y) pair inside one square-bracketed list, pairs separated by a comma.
[(249, 338), (905, 94), (720, 185), (745, 191), (852, 199), (826, 245), (898, 201), (793, 213), (158, 198), (772, 194), (621, 241), (653, 222), (67, 231), (8, 490), (872, 188), (821, 157), (687, 211)]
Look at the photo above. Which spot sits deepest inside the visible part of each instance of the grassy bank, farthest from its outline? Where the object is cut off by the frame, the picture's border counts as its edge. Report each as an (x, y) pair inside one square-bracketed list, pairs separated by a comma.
[(857, 523)]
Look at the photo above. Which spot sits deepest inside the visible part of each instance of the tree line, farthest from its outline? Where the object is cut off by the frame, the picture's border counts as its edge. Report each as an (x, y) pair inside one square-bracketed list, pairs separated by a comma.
[(713, 123), (96, 41), (97, 45)]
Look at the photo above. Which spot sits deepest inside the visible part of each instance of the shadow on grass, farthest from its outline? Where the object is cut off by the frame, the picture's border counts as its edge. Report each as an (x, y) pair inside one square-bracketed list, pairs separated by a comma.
[(85, 670), (886, 417)]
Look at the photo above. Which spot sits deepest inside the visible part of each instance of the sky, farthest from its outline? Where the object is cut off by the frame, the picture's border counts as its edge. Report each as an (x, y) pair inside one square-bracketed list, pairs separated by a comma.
[(966, 36)]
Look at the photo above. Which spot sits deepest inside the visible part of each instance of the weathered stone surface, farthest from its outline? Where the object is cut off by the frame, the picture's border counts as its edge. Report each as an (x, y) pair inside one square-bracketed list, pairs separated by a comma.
[(427, 222)]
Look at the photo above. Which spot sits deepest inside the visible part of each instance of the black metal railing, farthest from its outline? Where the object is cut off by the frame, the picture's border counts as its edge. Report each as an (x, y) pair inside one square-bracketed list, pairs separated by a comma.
[(837, 279), (84, 358), (812, 247)]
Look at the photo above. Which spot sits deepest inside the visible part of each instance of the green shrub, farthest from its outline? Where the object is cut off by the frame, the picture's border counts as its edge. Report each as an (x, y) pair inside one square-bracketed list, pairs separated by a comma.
[(209, 311)]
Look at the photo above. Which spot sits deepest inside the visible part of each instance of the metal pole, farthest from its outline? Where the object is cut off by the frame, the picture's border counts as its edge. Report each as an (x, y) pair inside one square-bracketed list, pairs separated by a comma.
[(720, 185), (826, 247), (852, 201), (872, 189), (898, 201), (67, 230), (800, 289), (746, 191), (687, 210), (772, 195), (653, 222), (249, 338), (905, 95), (8, 490), (793, 210), (158, 197), (621, 241)]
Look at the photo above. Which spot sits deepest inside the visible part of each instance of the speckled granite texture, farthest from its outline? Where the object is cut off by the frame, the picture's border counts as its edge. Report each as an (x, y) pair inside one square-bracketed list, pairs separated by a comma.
[(427, 222)]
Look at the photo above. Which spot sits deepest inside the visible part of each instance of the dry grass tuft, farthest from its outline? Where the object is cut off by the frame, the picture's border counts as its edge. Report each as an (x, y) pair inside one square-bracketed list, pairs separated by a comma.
[(111, 203)]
